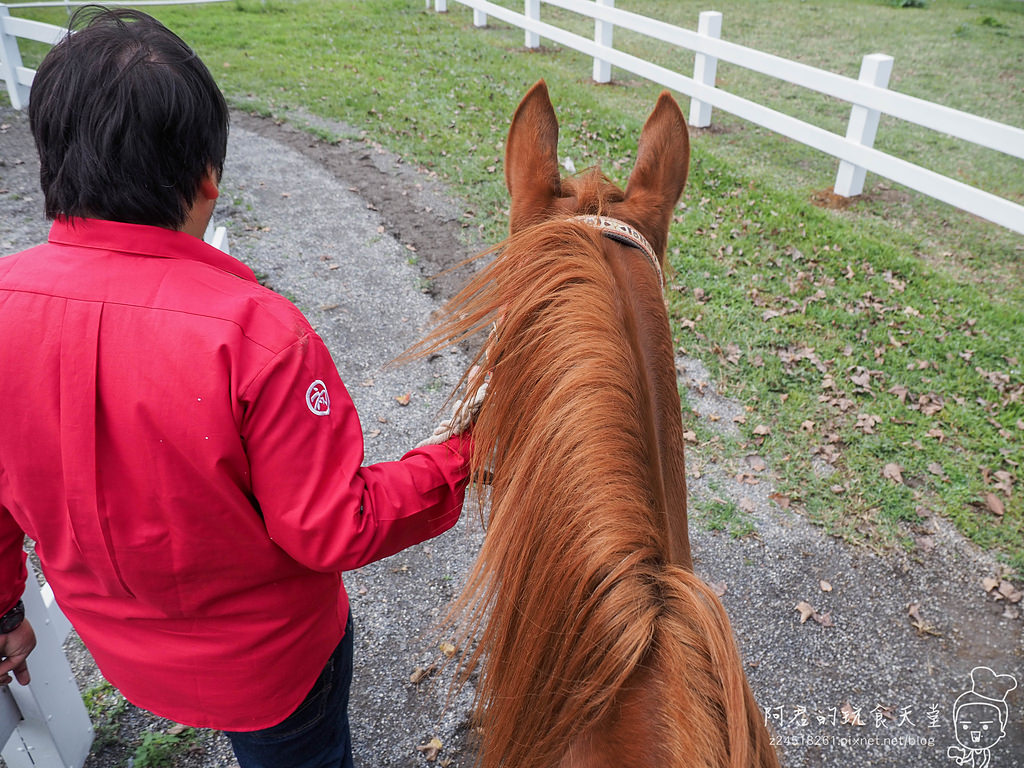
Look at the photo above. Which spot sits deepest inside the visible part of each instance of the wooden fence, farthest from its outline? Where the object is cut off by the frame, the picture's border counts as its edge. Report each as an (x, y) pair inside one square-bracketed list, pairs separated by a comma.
[(868, 95)]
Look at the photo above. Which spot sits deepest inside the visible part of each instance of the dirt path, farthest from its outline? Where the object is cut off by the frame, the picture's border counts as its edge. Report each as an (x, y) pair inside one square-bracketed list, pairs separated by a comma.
[(861, 656)]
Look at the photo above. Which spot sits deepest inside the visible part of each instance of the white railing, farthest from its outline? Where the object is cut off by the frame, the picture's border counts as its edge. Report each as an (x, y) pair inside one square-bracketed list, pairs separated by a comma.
[(18, 77), (868, 96), (44, 724)]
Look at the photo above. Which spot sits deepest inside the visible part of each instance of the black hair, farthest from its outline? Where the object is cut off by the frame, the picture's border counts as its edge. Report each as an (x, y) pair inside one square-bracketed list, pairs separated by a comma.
[(127, 121)]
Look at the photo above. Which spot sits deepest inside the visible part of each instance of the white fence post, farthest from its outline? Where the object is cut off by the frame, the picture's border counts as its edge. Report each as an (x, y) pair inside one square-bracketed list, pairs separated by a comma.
[(531, 10), (54, 729), (441, 6), (875, 70), (705, 68), (479, 18), (10, 63), (603, 36)]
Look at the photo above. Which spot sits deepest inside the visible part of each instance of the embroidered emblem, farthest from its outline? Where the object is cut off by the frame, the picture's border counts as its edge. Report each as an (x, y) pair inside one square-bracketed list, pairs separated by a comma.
[(317, 399)]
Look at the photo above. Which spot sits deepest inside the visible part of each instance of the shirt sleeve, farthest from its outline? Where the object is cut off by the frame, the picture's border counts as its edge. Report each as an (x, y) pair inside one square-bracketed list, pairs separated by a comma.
[(305, 447), (12, 562)]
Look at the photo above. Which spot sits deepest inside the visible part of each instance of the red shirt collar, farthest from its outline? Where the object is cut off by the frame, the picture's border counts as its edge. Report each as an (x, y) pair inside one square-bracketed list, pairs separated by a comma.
[(143, 240)]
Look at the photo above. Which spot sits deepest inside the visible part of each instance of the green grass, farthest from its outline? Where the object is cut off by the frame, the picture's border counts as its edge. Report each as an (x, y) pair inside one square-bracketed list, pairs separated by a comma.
[(106, 706), (887, 332)]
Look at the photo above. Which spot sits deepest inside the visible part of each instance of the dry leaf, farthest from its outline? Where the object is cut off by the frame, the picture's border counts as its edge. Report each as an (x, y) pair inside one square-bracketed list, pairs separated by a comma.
[(825, 619), (177, 729), (746, 505), (757, 463), (989, 583), (918, 622), (447, 649), (421, 672), (718, 587), (894, 472), (936, 469), (994, 504), (431, 749), (825, 586), (781, 499), (761, 430), (1007, 590), (806, 610), (403, 399)]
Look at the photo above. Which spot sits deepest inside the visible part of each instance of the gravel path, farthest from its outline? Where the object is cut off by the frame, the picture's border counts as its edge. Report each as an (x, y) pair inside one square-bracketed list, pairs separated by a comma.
[(349, 233)]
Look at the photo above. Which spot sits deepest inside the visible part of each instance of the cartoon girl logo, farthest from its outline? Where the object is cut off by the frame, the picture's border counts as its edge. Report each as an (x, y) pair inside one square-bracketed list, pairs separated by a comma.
[(980, 716)]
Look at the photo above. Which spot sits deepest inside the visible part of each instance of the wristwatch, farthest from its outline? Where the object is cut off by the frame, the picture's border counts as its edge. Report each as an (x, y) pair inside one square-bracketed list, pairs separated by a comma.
[(11, 620)]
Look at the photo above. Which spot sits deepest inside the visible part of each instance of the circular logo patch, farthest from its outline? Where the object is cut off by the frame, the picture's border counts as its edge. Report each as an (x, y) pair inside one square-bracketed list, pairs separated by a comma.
[(317, 399)]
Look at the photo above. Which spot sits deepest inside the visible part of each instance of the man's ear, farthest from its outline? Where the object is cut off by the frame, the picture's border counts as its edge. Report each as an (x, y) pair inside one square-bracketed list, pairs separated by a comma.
[(208, 186)]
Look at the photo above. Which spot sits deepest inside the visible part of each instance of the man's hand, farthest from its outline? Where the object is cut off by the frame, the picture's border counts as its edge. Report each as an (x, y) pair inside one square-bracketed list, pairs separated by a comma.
[(15, 647)]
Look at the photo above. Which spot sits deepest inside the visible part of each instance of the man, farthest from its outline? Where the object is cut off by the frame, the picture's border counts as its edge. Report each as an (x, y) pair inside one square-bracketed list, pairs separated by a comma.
[(176, 439)]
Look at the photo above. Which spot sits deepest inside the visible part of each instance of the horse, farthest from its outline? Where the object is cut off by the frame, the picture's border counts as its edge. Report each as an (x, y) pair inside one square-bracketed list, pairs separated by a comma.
[(596, 644)]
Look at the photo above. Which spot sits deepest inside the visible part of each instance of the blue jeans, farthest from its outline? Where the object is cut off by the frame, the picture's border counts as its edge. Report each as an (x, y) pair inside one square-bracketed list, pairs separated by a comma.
[(316, 734)]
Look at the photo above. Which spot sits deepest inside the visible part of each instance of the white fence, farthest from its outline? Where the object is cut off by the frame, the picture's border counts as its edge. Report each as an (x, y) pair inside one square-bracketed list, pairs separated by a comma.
[(45, 724), (868, 96), (18, 77)]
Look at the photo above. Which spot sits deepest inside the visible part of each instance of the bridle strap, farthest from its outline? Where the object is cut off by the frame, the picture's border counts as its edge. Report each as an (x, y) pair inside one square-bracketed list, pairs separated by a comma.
[(623, 233)]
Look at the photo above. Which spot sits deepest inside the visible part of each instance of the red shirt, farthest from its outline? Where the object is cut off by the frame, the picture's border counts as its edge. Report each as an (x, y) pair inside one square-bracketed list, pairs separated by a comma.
[(179, 445)]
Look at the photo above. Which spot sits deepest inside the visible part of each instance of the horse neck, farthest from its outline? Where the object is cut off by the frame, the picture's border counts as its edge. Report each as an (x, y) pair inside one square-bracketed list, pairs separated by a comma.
[(653, 341)]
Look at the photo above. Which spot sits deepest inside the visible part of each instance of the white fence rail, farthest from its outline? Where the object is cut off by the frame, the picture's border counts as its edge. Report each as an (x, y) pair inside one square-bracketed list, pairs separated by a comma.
[(868, 96), (45, 724), (18, 77)]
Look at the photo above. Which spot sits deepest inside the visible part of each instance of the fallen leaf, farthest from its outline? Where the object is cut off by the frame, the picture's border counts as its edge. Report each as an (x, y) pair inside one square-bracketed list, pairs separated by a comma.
[(894, 472), (1007, 590), (420, 673), (757, 463), (781, 499), (806, 610), (447, 649), (900, 391), (994, 504), (403, 400), (825, 586), (825, 619), (177, 729), (918, 622), (746, 505), (431, 749), (989, 583), (866, 423), (718, 587), (690, 436), (761, 430), (936, 469)]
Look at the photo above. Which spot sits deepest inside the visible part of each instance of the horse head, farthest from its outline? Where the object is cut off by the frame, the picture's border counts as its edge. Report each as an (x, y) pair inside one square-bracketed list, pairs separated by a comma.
[(539, 193)]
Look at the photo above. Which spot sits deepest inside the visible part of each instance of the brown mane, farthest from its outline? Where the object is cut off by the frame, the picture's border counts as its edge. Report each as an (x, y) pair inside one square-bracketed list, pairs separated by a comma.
[(592, 639)]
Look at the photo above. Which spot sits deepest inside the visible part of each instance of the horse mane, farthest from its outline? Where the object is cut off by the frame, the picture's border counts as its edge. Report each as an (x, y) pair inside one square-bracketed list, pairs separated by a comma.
[(573, 599)]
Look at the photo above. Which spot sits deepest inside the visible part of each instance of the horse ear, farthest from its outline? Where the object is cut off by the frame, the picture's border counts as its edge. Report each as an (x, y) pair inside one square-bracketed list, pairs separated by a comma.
[(531, 158), (663, 160)]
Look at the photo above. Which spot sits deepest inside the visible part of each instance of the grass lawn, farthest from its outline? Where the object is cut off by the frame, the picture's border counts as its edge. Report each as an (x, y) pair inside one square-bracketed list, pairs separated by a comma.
[(880, 346)]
